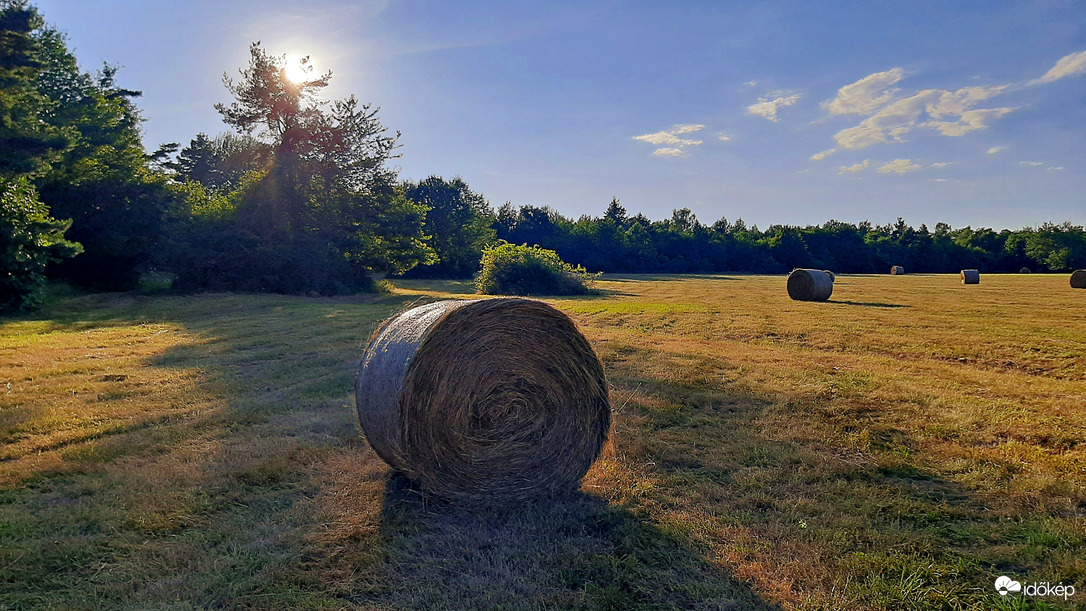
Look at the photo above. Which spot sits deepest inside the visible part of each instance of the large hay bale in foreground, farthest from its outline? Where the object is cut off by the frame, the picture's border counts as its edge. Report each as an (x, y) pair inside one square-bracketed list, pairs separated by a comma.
[(897, 270), (1078, 279), (484, 402), (809, 285), (970, 276)]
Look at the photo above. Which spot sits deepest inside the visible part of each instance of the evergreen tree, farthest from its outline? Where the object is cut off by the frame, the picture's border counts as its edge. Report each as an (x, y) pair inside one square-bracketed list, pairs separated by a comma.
[(27, 142)]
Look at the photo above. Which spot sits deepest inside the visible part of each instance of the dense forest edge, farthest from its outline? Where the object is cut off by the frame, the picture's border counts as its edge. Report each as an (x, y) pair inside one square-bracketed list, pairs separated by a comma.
[(300, 197)]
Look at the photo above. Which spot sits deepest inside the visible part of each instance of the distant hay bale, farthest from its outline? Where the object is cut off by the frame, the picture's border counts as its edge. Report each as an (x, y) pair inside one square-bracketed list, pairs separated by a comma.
[(1078, 279), (970, 276), (833, 276), (809, 285), (1024, 270), (897, 270), (484, 402)]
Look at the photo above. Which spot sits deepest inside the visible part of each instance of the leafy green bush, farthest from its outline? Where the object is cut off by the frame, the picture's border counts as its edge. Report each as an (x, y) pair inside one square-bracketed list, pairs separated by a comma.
[(29, 239), (508, 269)]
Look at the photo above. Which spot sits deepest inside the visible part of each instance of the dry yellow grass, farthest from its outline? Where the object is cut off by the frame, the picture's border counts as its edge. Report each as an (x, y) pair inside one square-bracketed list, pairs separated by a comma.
[(896, 447)]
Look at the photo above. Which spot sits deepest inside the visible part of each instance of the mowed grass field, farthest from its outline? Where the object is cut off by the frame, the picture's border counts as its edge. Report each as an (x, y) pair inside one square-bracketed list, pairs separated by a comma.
[(898, 447)]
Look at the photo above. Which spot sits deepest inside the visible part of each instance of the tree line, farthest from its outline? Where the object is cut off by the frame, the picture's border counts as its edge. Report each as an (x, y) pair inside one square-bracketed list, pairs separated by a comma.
[(618, 242), (299, 198)]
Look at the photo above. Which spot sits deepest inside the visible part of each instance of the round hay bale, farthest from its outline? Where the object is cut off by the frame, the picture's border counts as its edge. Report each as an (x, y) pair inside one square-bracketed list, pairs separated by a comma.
[(970, 276), (1078, 279), (1024, 270), (809, 285), (897, 270), (833, 276), (484, 402)]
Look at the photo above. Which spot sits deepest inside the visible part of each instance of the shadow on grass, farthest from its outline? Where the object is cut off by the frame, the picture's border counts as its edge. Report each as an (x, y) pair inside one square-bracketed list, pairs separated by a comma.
[(664, 277), (229, 498), (869, 304), (572, 553)]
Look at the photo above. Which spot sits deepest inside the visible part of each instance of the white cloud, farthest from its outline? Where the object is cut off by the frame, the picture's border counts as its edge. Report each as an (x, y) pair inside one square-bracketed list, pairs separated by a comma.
[(898, 166), (724, 137), (670, 142), (865, 95), (768, 105), (669, 152), (938, 165), (666, 138), (996, 149), (852, 169), (687, 128), (1068, 65), (1056, 168), (822, 155), (1035, 164), (898, 118), (958, 102), (969, 121)]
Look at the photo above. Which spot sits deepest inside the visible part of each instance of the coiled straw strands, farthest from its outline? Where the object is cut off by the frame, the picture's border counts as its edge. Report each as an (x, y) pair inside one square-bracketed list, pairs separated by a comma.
[(484, 402), (809, 285)]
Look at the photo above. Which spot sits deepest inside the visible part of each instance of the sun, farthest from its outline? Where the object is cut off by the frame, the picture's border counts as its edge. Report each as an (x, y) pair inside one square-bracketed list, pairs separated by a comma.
[(298, 70)]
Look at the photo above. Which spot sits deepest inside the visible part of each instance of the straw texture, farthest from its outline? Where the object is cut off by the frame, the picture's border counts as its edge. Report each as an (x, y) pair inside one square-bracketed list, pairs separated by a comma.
[(970, 276), (897, 270), (809, 285), (484, 402), (1078, 279)]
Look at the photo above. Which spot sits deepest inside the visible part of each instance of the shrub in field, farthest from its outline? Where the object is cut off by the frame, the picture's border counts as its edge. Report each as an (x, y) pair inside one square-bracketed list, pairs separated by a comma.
[(508, 269), (29, 239)]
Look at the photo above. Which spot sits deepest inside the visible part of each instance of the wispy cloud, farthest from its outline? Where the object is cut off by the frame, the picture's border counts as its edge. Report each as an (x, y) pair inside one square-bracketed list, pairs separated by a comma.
[(670, 142), (667, 137), (865, 95), (687, 128), (822, 155), (899, 166), (1038, 164), (723, 137), (768, 105), (1068, 65), (852, 169), (669, 152), (951, 113)]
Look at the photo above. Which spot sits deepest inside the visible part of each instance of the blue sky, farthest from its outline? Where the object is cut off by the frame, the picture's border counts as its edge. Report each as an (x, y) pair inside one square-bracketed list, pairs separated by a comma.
[(971, 113)]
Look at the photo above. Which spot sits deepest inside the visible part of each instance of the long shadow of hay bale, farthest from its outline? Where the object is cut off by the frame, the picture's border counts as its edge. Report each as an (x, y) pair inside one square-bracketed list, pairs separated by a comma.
[(573, 553), (869, 304)]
